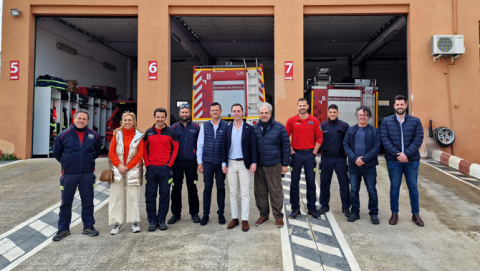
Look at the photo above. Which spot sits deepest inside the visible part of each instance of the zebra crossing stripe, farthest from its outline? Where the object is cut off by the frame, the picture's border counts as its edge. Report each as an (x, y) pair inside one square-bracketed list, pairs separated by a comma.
[(314, 227), (307, 264), (315, 245)]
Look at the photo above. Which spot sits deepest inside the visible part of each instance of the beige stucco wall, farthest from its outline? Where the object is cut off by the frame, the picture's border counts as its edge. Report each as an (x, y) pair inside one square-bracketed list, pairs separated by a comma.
[(445, 92)]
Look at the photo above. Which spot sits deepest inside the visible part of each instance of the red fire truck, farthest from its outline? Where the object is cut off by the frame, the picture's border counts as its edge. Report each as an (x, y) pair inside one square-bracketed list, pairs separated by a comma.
[(347, 96), (227, 85)]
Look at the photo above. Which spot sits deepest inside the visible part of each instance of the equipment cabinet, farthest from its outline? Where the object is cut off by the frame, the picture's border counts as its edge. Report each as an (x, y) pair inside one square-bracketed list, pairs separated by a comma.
[(52, 115)]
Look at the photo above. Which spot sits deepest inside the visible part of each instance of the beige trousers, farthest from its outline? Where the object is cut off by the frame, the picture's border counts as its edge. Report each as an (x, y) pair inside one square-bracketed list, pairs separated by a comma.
[(239, 174), (121, 195)]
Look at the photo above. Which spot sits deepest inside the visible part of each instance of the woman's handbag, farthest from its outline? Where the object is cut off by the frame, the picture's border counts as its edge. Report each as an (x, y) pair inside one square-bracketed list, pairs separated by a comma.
[(107, 174)]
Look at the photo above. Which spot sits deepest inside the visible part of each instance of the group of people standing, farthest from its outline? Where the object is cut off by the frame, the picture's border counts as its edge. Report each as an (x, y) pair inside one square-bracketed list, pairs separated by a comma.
[(218, 149), (401, 136)]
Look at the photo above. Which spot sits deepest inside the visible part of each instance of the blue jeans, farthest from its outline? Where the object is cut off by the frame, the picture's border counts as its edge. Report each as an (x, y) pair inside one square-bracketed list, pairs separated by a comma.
[(369, 175), (395, 171)]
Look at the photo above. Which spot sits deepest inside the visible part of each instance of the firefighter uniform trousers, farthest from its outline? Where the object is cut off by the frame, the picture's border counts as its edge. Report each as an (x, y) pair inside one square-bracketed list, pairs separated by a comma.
[(158, 179), (68, 185), (327, 165), (307, 160), (116, 205), (190, 169)]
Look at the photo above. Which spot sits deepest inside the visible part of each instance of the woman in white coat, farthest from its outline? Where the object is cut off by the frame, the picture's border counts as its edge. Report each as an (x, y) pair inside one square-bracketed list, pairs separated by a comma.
[(126, 152)]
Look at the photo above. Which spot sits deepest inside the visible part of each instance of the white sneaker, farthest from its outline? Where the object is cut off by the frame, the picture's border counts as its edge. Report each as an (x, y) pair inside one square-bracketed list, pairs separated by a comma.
[(135, 227), (116, 229)]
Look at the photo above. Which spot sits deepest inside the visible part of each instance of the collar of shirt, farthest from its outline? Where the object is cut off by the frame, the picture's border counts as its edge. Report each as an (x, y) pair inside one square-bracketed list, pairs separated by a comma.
[(297, 118)]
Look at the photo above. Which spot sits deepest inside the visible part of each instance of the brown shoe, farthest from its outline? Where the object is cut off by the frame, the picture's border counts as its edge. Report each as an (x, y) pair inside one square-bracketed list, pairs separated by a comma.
[(393, 219), (279, 222), (232, 224), (262, 220), (418, 221), (245, 226)]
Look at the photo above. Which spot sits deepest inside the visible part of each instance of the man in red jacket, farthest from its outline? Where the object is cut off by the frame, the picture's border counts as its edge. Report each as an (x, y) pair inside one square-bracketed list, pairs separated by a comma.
[(160, 150)]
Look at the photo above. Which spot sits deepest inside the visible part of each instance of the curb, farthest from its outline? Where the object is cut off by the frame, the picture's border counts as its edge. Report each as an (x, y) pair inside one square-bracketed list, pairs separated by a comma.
[(455, 162)]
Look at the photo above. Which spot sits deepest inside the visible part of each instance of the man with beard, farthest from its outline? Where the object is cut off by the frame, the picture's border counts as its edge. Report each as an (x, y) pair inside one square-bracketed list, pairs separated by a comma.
[(402, 136), (185, 163), (307, 137)]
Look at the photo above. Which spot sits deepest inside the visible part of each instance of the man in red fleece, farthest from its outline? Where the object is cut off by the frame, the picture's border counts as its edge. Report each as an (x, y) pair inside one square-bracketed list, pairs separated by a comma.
[(160, 150)]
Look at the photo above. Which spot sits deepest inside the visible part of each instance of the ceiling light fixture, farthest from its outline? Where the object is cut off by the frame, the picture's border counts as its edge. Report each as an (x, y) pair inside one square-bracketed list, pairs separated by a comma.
[(66, 48), (109, 66)]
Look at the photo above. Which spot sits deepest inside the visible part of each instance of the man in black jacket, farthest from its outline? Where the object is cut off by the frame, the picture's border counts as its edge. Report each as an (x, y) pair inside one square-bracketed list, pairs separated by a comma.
[(240, 159), (273, 160), (185, 163), (362, 144), (333, 158), (76, 149)]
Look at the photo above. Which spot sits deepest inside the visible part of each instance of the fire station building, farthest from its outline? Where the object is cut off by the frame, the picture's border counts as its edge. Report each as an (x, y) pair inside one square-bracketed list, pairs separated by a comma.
[(146, 51)]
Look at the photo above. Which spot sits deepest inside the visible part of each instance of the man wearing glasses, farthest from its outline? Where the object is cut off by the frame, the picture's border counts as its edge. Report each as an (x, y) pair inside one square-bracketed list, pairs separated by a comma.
[(185, 164), (362, 144), (210, 143)]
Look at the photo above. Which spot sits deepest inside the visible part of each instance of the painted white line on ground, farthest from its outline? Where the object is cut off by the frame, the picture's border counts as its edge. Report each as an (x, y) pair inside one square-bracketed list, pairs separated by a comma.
[(49, 240), (307, 264), (317, 246), (11, 163), (314, 227), (449, 174), (286, 249), (343, 243)]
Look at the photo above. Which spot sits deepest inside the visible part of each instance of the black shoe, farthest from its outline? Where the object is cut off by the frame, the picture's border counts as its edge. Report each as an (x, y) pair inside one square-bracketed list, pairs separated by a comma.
[(196, 218), (347, 212), (295, 213), (204, 221), (153, 226), (221, 220), (60, 235), (374, 219), (173, 219), (314, 214), (353, 217), (323, 210), (90, 232), (162, 226)]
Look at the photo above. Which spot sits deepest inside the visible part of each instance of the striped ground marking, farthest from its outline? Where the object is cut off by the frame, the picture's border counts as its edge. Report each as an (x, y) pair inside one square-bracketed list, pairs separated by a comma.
[(31, 236), (315, 244)]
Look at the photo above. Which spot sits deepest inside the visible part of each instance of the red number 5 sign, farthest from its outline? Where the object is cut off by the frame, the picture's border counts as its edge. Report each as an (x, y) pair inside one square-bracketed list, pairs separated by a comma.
[(14, 69), (288, 70)]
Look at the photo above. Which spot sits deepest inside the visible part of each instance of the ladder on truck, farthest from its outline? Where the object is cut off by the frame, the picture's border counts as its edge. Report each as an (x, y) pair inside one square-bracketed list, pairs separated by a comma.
[(253, 79)]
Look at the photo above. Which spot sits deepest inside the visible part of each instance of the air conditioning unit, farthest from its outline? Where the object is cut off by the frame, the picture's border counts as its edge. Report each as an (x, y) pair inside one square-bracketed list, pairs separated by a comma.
[(447, 45)]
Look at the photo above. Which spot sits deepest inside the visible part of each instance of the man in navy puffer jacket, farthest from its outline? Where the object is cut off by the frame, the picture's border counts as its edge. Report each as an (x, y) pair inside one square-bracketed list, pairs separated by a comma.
[(273, 160), (76, 149), (402, 136)]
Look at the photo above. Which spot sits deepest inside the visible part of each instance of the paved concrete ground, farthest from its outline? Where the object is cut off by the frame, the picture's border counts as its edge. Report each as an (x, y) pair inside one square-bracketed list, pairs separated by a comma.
[(450, 239)]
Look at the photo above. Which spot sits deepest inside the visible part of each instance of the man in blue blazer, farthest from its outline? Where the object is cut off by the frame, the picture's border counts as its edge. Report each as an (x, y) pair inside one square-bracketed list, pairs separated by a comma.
[(240, 159)]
